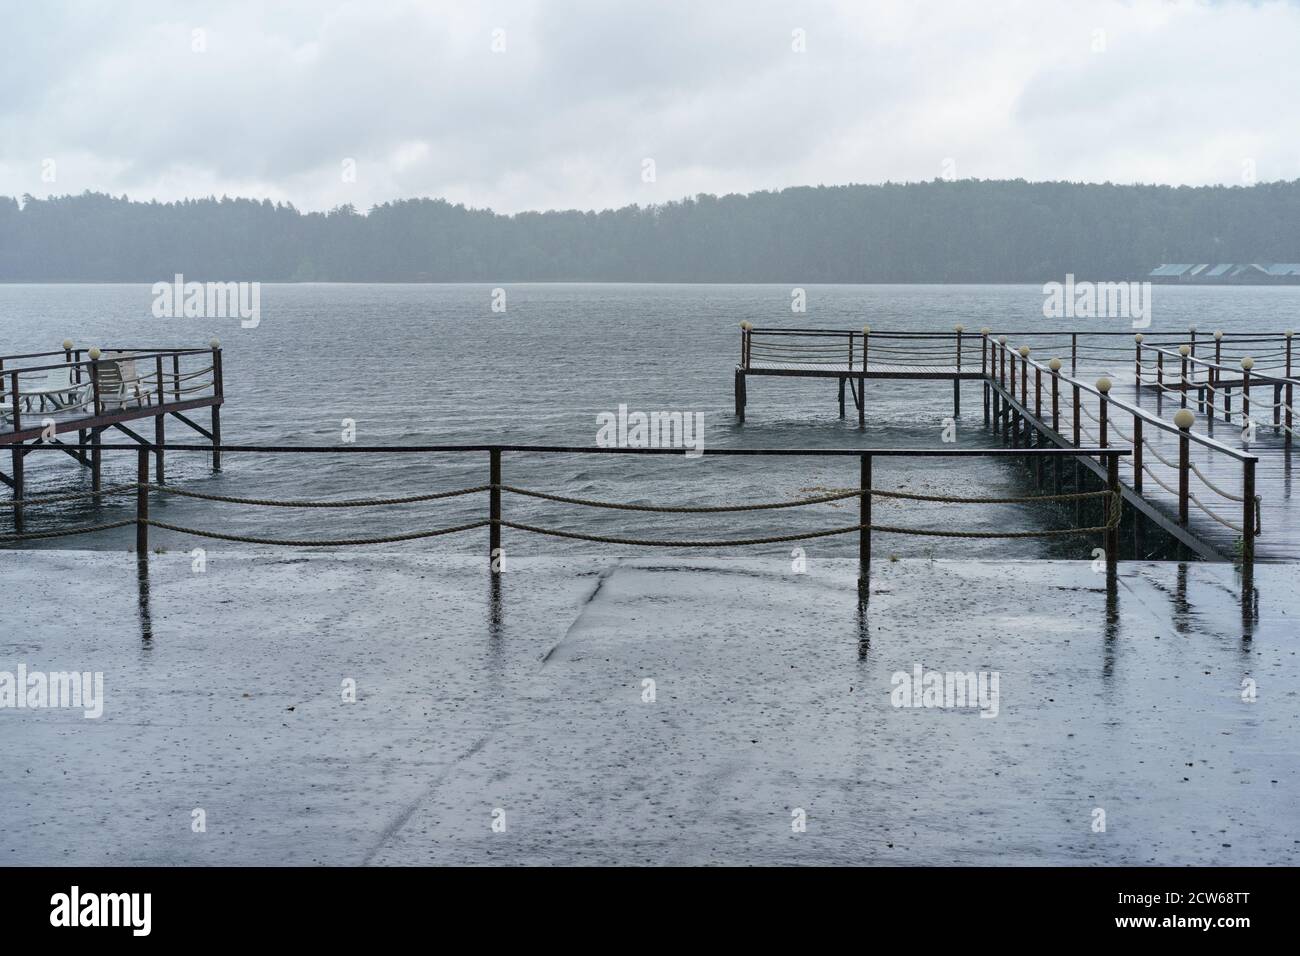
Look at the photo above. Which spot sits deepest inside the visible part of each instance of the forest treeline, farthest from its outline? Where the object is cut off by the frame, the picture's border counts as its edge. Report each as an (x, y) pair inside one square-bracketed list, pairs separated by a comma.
[(940, 231)]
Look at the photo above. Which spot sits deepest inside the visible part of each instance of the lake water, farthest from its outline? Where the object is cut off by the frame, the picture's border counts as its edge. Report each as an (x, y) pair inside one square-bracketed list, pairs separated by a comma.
[(418, 364)]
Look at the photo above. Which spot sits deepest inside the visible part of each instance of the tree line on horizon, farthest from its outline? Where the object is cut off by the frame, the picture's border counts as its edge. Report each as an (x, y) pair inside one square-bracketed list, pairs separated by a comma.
[(937, 231)]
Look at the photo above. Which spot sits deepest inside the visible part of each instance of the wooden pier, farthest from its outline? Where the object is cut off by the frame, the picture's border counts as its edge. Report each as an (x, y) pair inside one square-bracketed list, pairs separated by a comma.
[(88, 391), (1224, 496)]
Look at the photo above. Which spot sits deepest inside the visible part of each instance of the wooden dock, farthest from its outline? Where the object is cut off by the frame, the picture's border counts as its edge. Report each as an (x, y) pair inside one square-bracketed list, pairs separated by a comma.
[(88, 391), (1220, 490)]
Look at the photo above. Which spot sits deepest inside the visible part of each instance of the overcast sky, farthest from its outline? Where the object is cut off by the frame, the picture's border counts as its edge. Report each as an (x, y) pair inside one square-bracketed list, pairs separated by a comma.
[(271, 99)]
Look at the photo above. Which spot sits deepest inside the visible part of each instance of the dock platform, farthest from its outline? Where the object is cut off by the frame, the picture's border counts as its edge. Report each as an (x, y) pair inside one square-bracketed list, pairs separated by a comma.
[(1218, 480), (88, 391)]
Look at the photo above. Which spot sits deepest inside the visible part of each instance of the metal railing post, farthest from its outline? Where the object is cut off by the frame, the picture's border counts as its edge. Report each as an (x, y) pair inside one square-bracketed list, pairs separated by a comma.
[(1112, 513), (1289, 393), (1137, 453), (1137, 359), (1077, 412), (1103, 412), (956, 382), (1247, 364), (142, 504), (1055, 366), (1183, 418), (984, 370), (1074, 353), (1248, 514), (218, 390), (864, 519), (494, 510), (1183, 350)]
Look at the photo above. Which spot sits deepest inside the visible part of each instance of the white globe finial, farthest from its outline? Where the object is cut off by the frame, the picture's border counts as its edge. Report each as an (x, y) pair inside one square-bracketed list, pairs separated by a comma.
[(214, 344), (67, 345), (959, 328), (866, 330), (1184, 350), (1024, 351), (746, 324), (1054, 365), (1289, 332), (1138, 338), (1248, 363), (1002, 340), (984, 330), (1103, 385), (1218, 334), (1192, 329), (94, 354), (1183, 418)]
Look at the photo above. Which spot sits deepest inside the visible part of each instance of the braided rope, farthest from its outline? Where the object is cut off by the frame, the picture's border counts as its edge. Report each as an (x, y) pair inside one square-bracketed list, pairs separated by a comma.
[(67, 532), (1151, 448), (1212, 486), (351, 503), (77, 496), (1156, 479), (836, 496), (1223, 521), (1112, 523), (563, 499), (313, 542)]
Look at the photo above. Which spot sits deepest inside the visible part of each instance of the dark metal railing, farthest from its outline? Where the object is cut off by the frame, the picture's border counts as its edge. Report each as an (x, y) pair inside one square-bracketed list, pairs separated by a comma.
[(495, 521)]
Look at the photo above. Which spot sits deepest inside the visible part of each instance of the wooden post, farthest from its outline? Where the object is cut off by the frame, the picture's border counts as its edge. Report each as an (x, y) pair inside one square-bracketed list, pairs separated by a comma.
[(1248, 513), (176, 376), (864, 519), (1137, 359), (740, 406), (494, 509), (841, 396), (1074, 353), (142, 504)]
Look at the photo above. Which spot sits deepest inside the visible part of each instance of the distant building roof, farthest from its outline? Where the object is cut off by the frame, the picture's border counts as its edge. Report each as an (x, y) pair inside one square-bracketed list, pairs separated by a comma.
[(1199, 269), (1284, 269), (1220, 269), (1171, 270)]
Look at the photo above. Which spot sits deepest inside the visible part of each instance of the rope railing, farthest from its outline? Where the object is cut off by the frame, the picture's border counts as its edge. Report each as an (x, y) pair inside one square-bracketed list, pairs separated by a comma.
[(1110, 498)]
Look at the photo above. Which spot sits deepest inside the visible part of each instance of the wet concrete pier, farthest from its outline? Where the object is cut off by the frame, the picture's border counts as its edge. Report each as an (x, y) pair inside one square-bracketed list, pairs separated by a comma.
[(526, 702)]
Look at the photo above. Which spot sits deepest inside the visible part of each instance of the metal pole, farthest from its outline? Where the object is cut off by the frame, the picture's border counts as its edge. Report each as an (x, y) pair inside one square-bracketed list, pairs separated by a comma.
[(1184, 469), (1112, 512), (494, 509), (1248, 513), (142, 504), (1137, 453), (864, 519)]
